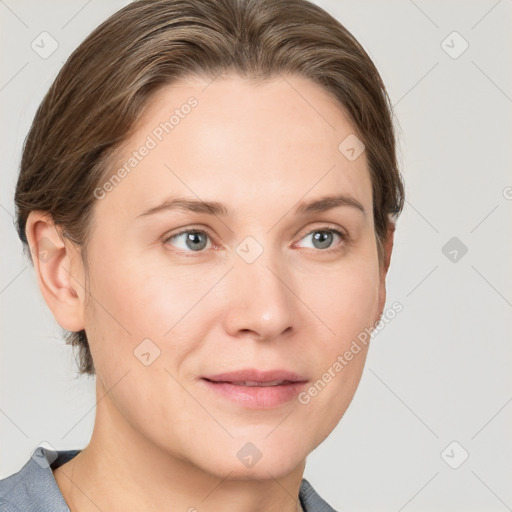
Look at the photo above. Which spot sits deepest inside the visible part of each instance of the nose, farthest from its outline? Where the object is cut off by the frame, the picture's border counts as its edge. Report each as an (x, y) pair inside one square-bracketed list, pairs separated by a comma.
[(261, 304)]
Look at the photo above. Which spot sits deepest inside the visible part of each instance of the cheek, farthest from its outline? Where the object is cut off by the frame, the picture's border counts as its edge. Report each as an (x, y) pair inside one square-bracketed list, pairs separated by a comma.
[(130, 307), (359, 295), (136, 300), (348, 306), (346, 300)]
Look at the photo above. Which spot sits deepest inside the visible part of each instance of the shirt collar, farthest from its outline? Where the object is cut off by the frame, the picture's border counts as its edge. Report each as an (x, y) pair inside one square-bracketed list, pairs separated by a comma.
[(34, 488)]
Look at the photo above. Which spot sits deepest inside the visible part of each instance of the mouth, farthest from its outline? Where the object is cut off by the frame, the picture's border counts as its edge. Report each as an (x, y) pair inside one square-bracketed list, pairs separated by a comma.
[(257, 389), (252, 383)]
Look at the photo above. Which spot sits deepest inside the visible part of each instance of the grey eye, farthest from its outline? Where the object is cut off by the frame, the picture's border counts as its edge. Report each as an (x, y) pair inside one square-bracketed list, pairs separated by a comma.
[(323, 238), (190, 240)]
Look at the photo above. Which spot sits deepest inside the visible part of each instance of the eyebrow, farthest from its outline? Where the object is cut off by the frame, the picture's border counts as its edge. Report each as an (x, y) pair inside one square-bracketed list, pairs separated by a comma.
[(318, 205)]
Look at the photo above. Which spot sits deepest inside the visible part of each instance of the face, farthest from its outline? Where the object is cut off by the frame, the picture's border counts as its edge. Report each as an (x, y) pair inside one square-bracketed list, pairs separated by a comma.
[(220, 329)]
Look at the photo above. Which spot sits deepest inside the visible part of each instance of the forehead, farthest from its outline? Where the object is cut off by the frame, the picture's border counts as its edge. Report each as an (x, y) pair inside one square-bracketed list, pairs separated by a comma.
[(237, 141)]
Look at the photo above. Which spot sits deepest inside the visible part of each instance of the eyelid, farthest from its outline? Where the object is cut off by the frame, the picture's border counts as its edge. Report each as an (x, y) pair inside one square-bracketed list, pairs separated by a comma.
[(191, 229), (326, 227), (343, 234), (336, 248)]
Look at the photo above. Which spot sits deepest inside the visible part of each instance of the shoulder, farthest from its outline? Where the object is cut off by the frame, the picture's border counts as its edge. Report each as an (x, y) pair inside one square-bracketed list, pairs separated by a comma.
[(310, 500), (6, 506), (33, 488)]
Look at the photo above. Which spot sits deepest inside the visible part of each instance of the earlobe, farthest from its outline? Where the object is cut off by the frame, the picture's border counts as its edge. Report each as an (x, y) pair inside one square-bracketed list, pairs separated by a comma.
[(59, 270)]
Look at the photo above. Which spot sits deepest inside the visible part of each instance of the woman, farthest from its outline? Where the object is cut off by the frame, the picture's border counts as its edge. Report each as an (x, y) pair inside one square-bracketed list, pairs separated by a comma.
[(260, 132)]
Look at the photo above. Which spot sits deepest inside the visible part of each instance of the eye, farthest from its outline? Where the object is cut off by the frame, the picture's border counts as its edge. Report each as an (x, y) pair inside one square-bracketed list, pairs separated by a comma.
[(322, 238), (191, 240), (196, 240)]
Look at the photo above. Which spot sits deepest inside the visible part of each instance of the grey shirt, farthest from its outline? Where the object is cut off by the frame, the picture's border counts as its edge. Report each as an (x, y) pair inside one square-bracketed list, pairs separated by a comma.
[(34, 489)]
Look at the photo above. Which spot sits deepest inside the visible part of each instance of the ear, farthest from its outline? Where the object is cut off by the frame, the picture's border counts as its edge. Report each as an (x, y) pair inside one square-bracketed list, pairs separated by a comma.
[(388, 248), (59, 270)]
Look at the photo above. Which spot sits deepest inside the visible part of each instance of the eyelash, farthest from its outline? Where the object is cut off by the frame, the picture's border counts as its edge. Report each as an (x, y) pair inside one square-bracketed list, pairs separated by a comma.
[(345, 238)]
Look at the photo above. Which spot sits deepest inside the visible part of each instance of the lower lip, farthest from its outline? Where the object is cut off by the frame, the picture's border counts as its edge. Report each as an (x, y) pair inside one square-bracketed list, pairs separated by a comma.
[(257, 397)]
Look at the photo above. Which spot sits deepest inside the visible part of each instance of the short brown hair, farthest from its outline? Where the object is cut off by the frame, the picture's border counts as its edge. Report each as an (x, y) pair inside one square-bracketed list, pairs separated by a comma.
[(101, 90)]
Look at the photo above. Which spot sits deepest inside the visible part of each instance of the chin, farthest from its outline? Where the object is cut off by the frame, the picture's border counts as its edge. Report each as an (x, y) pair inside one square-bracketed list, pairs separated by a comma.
[(259, 460), (262, 470)]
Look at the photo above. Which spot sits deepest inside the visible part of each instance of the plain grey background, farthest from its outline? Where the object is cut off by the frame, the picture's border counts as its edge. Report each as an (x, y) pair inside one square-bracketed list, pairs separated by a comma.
[(437, 386)]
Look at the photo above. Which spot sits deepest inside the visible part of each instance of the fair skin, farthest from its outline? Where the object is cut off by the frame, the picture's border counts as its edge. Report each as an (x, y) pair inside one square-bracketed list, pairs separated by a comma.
[(164, 438)]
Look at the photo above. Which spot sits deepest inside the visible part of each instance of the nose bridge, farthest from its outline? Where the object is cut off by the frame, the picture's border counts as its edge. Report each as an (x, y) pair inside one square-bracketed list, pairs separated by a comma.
[(261, 300)]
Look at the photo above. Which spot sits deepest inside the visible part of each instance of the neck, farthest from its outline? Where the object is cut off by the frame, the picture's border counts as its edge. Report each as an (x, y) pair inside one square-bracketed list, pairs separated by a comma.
[(125, 471)]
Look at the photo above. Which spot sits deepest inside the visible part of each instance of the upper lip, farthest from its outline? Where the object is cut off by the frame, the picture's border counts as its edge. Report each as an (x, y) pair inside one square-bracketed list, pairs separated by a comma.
[(254, 375)]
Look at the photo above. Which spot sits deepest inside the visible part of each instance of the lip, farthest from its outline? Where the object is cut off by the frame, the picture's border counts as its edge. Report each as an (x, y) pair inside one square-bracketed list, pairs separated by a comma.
[(268, 389)]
